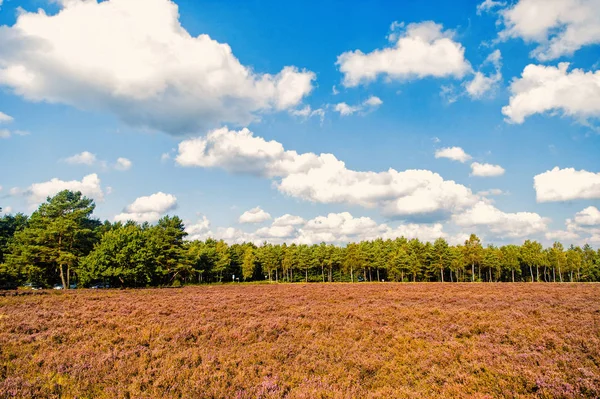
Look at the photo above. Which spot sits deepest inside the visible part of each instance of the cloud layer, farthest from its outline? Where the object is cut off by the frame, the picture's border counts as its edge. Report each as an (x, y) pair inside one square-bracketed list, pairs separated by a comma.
[(566, 184), (559, 27), (134, 59), (325, 179), (420, 50), (542, 89), (148, 208)]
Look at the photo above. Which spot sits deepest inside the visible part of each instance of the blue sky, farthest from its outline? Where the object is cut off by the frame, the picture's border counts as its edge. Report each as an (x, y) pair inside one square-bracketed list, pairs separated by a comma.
[(135, 80)]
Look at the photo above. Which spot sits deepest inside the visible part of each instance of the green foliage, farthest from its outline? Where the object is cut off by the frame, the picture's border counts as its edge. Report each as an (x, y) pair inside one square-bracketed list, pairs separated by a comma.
[(61, 241)]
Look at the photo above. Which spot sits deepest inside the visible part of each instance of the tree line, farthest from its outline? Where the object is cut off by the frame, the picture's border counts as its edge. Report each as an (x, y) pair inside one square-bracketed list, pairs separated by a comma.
[(61, 243)]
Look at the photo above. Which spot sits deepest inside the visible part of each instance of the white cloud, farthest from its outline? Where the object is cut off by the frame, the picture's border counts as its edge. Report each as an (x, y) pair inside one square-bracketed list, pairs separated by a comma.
[(90, 159), (325, 179), (6, 133), (342, 228), (335, 228), (38, 192), (307, 112), (482, 84), (83, 158), (546, 88), (288, 220), (148, 208), (590, 216), (453, 153), (159, 202), (123, 164), (583, 227), (5, 118), (501, 224), (491, 192), (143, 66), (369, 104), (254, 215), (566, 184), (198, 230), (421, 50), (562, 235), (560, 27), (6, 210), (489, 5), (486, 170)]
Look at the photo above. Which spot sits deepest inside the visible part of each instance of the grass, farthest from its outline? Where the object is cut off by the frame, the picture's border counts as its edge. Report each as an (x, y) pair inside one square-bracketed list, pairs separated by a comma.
[(378, 340)]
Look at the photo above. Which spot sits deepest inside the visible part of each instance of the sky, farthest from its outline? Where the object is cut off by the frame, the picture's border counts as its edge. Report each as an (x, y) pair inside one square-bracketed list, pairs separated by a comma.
[(309, 121)]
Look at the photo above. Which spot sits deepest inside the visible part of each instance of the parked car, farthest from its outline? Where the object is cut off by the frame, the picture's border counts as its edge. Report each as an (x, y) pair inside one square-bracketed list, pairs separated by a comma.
[(100, 285), (73, 286), (57, 287), (32, 286)]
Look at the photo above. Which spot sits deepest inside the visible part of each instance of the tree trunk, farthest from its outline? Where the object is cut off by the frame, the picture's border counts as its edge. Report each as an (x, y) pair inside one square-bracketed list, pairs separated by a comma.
[(62, 275), (472, 272), (306, 278), (68, 278), (351, 274), (378, 279), (531, 272), (513, 275), (553, 275), (537, 273), (442, 274), (323, 271)]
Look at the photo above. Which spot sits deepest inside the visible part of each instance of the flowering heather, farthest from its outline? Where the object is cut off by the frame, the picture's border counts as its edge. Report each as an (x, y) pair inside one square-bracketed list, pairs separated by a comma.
[(379, 340)]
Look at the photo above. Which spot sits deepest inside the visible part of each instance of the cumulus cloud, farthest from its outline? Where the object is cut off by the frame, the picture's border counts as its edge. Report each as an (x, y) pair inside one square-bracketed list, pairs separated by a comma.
[(489, 5), (482, 84), (453, 153), (90, 159), (566, 184), (6, 133), (492, 192), (148, 208), (543, 89), (83, 158), (199, 230), (486, 170), (590, 216), (134, 59), (288, 220), (559, 27), (123, 164), (420, 50), (38, 192), (334, 228), (583, 227), (307, 112), (254, 215), (502, 224), (325, 179), (369, 104), (562, 235), (4, 118)]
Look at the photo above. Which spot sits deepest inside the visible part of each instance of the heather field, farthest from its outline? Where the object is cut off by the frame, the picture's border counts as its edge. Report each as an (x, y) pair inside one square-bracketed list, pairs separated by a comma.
[(380, 340)]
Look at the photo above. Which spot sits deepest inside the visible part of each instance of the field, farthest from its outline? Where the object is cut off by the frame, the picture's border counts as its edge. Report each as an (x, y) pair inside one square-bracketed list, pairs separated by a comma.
[(382, 340)]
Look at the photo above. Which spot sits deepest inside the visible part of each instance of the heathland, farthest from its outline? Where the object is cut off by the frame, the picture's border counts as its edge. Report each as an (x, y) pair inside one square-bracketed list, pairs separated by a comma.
[(340, 340)]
